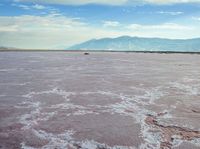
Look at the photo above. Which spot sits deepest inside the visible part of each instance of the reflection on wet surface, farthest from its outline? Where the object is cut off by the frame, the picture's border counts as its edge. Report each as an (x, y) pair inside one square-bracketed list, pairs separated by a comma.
[(101, 101)]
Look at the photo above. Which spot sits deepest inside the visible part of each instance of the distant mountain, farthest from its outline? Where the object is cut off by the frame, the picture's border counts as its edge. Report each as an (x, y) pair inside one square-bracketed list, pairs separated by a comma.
[(127, 43), (2, 48)]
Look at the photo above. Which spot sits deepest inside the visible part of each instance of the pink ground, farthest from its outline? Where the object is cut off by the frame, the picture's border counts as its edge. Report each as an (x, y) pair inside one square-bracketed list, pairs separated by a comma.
[(69, 100)]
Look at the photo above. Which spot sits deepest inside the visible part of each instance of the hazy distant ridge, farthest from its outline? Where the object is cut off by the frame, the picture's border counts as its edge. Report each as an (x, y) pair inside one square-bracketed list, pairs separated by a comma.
[(127, 43), (2, 48)]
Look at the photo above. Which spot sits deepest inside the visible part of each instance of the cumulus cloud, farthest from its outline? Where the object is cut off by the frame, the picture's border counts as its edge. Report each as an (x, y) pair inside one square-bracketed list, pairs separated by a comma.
[(25, 7), (166, 30), (39, 7), (29, 7), (111, 24), (196, 18), (47, 31), (50, 31), (77, 2), (171, 1), (165, 26), (110, 2), (173, 13)]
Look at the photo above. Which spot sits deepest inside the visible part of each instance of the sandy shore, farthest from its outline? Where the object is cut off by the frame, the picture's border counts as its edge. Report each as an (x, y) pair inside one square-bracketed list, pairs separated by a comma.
[(103, 100)]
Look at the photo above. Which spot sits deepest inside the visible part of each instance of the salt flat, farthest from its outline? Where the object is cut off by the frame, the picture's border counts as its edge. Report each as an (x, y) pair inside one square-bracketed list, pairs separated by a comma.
[(103, 100)]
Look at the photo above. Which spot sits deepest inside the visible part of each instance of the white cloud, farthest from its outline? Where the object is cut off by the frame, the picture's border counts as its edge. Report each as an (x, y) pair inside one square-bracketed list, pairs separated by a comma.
[(110, 2), (171, 1), (111, 24), (44, 10), (173, 13), (25, 7), (10, 28), (166, 30), (196, 18), (29, 7), (37, 6), (47, 31), (77, 2), (50, 31), (166, 26)]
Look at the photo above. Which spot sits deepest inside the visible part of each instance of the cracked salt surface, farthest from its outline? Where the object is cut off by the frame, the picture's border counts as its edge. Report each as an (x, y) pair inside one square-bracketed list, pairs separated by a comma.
[(119, 108), (57, 91), (187, 89), (131, 83), (152, 139), (65, 140)]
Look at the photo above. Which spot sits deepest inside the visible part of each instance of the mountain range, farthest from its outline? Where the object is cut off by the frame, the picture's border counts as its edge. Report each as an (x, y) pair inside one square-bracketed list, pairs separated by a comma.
[(127, 43), (2, 48)]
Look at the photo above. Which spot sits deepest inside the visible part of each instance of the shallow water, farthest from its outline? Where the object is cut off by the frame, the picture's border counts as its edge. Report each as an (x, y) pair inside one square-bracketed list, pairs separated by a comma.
[(102, 100)]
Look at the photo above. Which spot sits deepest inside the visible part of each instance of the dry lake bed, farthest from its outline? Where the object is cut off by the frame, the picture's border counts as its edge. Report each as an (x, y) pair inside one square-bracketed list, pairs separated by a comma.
[(68, 100)]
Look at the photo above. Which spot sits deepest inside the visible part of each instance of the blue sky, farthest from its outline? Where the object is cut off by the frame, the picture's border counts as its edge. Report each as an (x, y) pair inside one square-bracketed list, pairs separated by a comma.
[(57, 24)]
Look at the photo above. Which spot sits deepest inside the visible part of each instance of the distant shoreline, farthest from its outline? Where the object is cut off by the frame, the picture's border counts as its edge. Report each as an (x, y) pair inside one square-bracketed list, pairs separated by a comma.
[(98, 51)]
